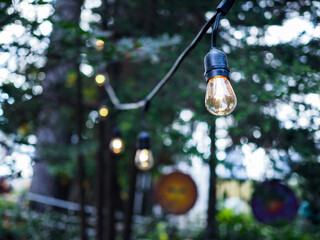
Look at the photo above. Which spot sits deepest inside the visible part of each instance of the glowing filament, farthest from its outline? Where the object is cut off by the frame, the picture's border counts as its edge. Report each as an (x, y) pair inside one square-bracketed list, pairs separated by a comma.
[(220, 98), (117, 145), (144, 159)]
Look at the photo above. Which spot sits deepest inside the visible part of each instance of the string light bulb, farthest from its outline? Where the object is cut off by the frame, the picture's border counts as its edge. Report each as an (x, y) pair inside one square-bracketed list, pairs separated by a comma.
[(103, 111), (116, 144), (100, 80), (143, 158), (220, 99)]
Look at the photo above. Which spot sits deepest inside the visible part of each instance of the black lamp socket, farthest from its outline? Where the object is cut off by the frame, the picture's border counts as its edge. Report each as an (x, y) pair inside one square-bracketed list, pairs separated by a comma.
[(143, 141), (216, 64), (116, 133)]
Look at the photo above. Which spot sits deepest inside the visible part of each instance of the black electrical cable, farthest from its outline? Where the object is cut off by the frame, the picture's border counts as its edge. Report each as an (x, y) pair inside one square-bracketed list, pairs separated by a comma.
[(215, 29), (167, 77), (222, 9), (144, 113), (179, 60)]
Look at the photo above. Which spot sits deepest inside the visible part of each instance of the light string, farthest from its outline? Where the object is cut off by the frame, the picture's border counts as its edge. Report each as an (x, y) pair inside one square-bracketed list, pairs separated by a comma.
[(146, 101)]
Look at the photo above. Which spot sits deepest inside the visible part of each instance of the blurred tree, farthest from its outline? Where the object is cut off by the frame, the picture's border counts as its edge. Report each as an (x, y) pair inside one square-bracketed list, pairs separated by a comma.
[(277, 84), (61, 70)]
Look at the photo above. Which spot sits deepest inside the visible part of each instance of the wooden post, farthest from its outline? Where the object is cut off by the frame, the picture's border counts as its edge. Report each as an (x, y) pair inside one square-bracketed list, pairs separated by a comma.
[(111, 194), (130, 203), (81, 177), (100, 179), (212, 230)]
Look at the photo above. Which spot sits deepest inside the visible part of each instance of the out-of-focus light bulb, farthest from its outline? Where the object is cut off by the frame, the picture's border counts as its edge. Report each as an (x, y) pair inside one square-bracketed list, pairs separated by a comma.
[(100, 79), (220, 98), (103, 111), (116, 145), (99, 44), (144, 159)]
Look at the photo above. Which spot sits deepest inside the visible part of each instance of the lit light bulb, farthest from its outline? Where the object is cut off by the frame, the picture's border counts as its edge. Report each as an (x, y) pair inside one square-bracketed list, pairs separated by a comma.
[(116, 145), (103, 111), (144, 159), (220, 98), (99, 44), (100, 79)]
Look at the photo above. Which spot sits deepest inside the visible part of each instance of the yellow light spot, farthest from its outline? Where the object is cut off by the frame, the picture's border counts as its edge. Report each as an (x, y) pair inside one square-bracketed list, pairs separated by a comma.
[(116, 151), (23, 129), (103, 111), (144, 156), (144, 165), (144, 159), (117, 145), (71, 79), (100, 79), (99, 44)]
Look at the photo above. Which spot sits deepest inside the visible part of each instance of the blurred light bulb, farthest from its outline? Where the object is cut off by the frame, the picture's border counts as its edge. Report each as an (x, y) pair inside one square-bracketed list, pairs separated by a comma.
[(116, 145), (103, 111), (220, 98), (144, 159), (100, 79), (99, 44)]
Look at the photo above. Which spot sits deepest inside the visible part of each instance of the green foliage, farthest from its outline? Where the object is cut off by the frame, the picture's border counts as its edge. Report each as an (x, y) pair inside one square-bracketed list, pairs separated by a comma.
[(231, 226), (308, 182), (234, 227), (244, 226), (18, 223), (162, 229), (142, 40)]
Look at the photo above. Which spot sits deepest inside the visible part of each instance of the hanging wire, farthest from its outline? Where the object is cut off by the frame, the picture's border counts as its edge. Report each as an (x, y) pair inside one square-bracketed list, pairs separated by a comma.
[(143, 121), (145, 109), (215, 29), (115, 101), (182, 56), (146, 101)]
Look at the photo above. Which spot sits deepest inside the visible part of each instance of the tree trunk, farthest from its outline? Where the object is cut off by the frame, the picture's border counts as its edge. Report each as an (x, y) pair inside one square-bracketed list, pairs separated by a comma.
[(52, 128)]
